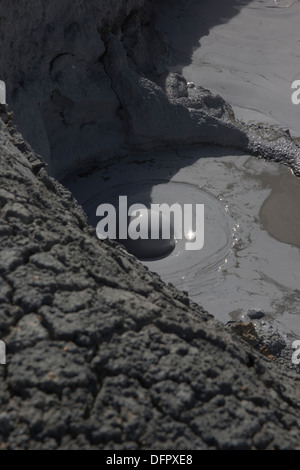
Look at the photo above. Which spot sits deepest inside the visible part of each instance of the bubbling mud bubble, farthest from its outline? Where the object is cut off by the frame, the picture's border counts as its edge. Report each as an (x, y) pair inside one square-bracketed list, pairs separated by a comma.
[(149, 247), (180, 265)]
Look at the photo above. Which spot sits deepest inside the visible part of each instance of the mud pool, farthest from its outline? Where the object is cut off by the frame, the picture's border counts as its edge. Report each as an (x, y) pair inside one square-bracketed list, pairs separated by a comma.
[(251, 254), (244, 51)]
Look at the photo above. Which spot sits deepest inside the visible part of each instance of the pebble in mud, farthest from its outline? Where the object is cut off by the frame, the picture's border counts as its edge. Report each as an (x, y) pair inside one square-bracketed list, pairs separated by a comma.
[(256, 314)]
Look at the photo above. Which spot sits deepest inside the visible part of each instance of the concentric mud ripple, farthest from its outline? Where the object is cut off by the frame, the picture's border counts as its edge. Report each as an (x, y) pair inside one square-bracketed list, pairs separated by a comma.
[(193, 269)]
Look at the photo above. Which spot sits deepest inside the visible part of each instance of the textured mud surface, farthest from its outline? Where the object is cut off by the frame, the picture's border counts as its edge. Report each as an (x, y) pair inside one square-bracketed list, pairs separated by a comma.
[(100, 352)]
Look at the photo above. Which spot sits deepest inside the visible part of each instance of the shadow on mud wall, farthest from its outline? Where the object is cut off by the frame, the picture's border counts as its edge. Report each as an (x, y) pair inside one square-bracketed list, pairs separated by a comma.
[(185, 22)]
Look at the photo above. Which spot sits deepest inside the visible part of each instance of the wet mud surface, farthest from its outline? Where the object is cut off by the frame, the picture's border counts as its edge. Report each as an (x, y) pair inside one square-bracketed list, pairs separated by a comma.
[(251, 257)]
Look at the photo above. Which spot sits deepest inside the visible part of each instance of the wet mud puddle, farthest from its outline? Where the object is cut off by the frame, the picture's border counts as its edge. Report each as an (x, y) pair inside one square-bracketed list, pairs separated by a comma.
[(251, 254)]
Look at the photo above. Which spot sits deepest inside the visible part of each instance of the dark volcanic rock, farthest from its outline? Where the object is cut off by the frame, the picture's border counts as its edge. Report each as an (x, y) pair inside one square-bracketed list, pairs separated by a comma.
[(102, 355)]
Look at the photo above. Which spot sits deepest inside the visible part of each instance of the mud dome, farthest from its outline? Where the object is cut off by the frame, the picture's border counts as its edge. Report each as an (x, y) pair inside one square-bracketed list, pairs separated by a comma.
[(245, 263)]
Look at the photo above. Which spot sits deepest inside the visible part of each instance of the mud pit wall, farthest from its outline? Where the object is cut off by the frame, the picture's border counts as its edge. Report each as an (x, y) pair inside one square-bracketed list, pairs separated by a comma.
[(78, 78), (51, 56), (87, 83)]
